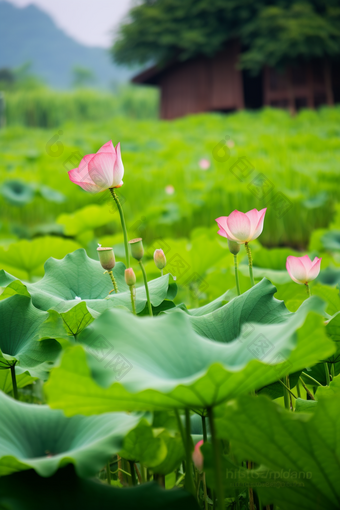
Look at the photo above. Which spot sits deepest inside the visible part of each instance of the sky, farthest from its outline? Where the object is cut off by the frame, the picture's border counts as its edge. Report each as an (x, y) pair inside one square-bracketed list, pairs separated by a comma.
[(91, 22)]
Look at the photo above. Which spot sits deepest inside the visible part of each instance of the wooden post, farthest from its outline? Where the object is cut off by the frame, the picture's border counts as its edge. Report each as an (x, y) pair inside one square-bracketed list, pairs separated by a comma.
[(328, 83), (310, 85), (290, 90)]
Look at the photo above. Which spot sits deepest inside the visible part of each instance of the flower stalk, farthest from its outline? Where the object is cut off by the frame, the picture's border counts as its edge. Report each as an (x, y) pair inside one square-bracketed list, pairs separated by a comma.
[(14, 382), (122, 220), (146, 288), (250, 263), (217, 462)]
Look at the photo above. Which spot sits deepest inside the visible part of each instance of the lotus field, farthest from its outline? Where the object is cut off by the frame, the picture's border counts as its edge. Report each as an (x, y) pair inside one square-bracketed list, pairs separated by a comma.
[(169, 307)]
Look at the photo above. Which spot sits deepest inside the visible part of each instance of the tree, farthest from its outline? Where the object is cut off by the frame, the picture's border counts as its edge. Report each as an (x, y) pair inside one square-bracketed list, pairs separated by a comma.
[(270, 31)]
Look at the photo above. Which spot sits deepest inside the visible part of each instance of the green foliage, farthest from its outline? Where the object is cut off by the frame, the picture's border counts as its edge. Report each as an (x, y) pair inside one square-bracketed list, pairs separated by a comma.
[(52, 441), (21, 345), (304, 460), (73, 492), (270, 34), (49, 109), (162, 370)]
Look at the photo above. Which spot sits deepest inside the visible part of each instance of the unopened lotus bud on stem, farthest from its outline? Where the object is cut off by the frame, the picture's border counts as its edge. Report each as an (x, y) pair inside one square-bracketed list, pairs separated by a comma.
[(130, 279), (233, 246), (159, 259), (137, 251)]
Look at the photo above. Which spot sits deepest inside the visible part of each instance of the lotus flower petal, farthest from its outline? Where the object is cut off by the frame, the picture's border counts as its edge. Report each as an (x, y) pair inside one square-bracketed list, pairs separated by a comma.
[(101, 169), (296, 269), (241, 227)]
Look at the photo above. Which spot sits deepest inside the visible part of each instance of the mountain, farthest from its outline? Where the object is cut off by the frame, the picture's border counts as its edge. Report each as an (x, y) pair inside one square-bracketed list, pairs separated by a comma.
[(30, 35)]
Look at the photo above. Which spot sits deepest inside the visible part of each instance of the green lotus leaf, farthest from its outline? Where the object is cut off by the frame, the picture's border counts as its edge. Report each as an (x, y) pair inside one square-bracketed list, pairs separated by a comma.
[(257, 305), (305, 406), (331, 240), (51, 195), (50, 440), (144, 445), (175, 452), (210, 307), (19, 335), (29, 491), (159, 447), (132, 363), (23, 379), (17, 192), (305, 458), (26, 258), (78, 278)]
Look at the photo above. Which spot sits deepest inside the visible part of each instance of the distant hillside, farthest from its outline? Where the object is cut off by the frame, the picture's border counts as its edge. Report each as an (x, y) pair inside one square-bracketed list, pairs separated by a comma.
[(29, 34)]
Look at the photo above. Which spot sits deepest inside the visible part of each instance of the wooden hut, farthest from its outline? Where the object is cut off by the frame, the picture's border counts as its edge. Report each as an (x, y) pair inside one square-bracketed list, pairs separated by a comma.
[(204, 84)]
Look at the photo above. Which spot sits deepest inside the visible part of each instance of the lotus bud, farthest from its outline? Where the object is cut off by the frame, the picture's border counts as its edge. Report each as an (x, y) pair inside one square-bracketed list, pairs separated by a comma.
[(197, 456), (137, 250), (303, 270), (106, 258), (130, 277), (159, 259), (233, 246)]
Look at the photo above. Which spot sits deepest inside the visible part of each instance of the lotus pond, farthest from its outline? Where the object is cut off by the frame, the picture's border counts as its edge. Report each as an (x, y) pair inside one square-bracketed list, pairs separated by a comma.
[(150, 356)]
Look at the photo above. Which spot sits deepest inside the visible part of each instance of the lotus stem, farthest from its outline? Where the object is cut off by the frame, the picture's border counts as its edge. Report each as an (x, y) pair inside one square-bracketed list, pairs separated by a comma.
[(133, 472), (236, 276), (14, 382), (288, 389), (204, 427), (308, 290), (332, 371), (114, 283), (328, 381), (133, 297), (217, 461), (189, 483), (250, 262), (285, 395), (161, 272), (298, 388), (146, 287), (307, 390), (108, 472), (122, 220), (311, 378)]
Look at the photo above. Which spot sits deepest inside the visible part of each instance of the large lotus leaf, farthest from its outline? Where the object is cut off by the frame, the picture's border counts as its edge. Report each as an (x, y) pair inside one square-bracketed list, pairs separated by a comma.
[(64, 490), (19, 335), (51, 195), (129, 363), (37, 437), (26, 258), (331, 240), (210, 307), (255, 305), (23, 378), (155, 447), (292, 448), (77, 277), (17, 192), (87, 218), (294, 294)]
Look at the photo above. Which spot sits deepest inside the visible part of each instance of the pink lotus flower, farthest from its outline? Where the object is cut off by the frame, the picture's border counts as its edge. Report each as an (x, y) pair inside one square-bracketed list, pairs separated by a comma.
[(169, 190), (197, 456), (100, 171), (302, 270), (204, 164), (241, 227)]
